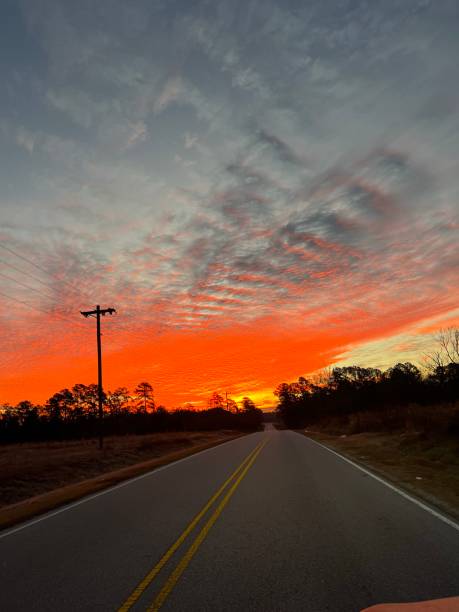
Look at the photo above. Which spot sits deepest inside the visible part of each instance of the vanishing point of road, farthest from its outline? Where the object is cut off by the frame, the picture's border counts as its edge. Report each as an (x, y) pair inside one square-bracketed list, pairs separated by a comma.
[(269, 521)]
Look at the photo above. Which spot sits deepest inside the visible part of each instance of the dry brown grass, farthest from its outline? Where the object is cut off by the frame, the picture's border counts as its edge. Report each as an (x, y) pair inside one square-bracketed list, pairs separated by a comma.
[(426, 465), (29, 470), (434, 419)]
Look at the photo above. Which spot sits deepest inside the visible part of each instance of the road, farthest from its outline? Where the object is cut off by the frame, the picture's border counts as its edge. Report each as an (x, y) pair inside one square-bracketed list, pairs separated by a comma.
[(298, 528)]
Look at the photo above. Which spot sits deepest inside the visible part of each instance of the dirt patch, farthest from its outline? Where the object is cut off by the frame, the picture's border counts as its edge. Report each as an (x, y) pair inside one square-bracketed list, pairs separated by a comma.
[(426, 466), (39, 477)]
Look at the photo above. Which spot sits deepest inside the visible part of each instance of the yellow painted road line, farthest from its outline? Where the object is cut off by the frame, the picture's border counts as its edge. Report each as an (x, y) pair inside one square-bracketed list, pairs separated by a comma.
[(140, 588), (187, 557)]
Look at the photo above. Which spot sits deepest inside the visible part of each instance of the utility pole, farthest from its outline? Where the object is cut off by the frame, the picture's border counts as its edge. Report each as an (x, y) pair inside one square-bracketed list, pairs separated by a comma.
[(98, 312)]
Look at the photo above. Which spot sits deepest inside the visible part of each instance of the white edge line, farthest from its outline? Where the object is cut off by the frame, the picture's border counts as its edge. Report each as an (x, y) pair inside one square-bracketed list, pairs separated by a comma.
[(425, 507), (125, 483)]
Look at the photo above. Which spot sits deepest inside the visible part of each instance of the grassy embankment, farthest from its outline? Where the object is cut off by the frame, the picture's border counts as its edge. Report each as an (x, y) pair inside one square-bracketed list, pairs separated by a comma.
[(38, 477), (416, 447)]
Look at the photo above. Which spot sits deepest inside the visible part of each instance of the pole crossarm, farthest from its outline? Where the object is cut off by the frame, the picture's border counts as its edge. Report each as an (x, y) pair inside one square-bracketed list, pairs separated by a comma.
[(94, 313)]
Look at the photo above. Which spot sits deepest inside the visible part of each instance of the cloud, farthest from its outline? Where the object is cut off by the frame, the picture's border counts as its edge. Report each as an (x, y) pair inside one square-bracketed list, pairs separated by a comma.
[(280, 148), (256, 174), (171, 92), (190, 140), (78, 105), (26, 139)]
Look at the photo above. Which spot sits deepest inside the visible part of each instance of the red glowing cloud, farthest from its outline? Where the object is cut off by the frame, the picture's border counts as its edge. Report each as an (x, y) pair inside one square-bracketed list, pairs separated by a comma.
[(239, 295)]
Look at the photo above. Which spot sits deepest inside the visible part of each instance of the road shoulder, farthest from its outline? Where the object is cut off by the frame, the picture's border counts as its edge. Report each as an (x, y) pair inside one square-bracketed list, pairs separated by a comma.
[(24, 510), (387, 457)]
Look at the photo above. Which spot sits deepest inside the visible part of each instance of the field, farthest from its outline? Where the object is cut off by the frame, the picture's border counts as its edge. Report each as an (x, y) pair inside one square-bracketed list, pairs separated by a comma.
[(56, 472)]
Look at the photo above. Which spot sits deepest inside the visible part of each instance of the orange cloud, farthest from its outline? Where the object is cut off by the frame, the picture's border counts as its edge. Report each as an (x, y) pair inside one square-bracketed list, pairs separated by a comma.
[(240, 295)]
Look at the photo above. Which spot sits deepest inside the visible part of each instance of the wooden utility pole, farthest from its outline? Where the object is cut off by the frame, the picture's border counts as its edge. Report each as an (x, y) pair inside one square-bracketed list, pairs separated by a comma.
[(98, 312)]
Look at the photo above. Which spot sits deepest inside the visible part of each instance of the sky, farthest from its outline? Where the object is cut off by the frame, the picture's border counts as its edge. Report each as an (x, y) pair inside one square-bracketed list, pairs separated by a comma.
[(261, 188)]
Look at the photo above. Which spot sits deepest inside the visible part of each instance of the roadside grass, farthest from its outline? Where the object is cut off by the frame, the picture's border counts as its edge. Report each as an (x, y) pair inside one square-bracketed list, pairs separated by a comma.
[(432, 420), (425, 464), (33, 469)]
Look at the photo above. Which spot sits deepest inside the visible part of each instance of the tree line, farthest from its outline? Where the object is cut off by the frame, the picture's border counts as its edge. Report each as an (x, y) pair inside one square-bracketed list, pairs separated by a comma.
[(73, 413), (348, 391)]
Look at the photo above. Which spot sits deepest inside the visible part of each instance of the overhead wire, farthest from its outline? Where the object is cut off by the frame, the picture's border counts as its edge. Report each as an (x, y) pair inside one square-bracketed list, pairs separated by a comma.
[(35, 278), (121, 325), (9, 297), (38, 267), (76, 291), (32, 276), (57, 314), (25, 286)]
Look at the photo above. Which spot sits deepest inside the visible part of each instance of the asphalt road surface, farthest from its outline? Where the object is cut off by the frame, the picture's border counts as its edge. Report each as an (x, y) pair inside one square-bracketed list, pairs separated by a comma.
[(297, 528)]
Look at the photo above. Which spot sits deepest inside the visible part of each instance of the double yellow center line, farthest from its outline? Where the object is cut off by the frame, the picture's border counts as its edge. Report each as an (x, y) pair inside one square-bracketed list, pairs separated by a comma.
[(181, 566)]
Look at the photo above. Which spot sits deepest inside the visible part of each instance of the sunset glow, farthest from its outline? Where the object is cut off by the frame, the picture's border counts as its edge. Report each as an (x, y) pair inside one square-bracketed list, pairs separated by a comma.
[(258, 197)]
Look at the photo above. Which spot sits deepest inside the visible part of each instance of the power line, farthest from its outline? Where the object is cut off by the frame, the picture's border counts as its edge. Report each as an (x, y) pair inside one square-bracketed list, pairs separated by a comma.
[(10, 278), (35, 278), (9, 297), (124, 327), (64, 317), (58, 315), (31, 276), (47, 295), (29, 261), (35, 265)]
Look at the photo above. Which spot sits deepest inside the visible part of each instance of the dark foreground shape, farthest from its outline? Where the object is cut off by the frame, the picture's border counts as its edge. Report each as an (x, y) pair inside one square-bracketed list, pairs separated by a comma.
[(450, 604)]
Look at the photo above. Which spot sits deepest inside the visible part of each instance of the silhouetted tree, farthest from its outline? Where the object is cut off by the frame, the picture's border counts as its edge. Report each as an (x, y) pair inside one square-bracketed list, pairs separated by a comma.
[(144, 395), (292, 403), (231, 405), (216, 401), (61, 406), (27, 413), (68, 414), (353, 377), (117, 401), (446, 350), (248, 405), (351, 390), (86, 400)]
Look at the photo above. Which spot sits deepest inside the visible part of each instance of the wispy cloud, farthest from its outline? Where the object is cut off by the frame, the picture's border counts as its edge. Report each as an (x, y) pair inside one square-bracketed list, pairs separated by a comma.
[(242, 181)]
